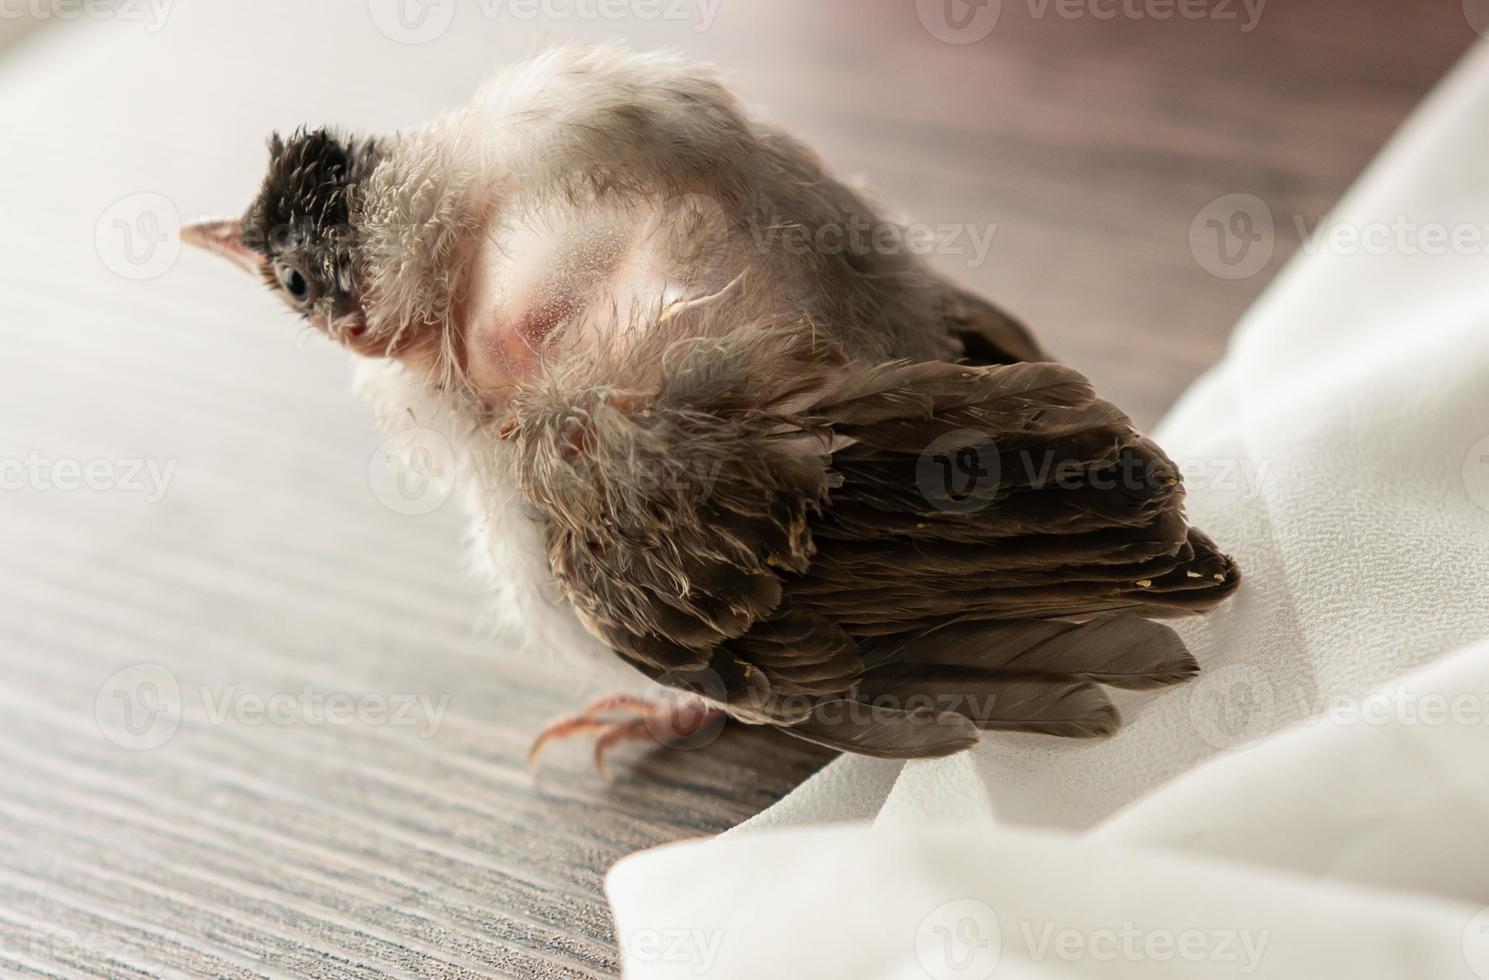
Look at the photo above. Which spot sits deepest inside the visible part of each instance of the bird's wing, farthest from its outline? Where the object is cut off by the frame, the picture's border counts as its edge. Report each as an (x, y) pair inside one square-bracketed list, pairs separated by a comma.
[(675, 510), (815, 537), (997, 493)]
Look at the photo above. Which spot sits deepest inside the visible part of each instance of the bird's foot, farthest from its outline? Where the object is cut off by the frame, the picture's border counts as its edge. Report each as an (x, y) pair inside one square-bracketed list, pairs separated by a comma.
[(683, 722)]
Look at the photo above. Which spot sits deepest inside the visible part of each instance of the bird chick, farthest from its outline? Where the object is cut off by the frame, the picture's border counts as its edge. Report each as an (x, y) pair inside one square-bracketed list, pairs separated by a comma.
[(818, 488)]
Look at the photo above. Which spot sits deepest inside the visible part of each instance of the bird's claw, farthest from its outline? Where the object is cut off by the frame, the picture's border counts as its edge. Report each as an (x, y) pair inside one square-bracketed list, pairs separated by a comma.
[(659, 722)]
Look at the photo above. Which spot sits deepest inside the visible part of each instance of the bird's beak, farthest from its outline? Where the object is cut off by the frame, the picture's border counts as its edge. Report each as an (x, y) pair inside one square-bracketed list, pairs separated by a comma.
[(222, 236)]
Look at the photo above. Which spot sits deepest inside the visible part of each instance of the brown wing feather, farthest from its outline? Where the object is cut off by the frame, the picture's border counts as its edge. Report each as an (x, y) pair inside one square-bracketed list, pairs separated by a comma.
[(1074, 513), (812, 569), (851, 726)]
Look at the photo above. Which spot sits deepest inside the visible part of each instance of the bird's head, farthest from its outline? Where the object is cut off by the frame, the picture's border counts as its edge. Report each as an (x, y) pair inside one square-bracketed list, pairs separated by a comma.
[(300, 233)]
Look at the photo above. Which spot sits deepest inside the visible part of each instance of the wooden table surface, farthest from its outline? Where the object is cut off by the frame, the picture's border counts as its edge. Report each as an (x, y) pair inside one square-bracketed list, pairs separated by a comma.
[(306, 846)]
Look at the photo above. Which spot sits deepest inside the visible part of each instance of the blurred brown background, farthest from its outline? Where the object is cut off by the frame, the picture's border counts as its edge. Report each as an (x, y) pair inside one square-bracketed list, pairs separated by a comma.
[(1093, 144)]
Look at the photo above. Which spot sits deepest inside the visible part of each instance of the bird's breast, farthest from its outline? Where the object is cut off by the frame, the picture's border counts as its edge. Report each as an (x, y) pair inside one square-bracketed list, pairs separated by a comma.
[(553, 282)]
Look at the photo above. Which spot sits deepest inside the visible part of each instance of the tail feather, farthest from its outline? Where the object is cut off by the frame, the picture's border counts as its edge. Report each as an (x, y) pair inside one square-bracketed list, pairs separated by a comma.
[(927, 693), (1125, 652), (1050, 706), (850, 725)]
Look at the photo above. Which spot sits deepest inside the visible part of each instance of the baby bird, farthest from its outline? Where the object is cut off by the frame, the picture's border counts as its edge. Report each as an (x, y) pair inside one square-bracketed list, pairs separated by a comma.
[(721, 427)]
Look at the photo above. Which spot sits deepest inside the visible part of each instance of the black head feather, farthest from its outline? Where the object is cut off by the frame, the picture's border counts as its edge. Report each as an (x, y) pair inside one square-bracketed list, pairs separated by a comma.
[(304, 219)]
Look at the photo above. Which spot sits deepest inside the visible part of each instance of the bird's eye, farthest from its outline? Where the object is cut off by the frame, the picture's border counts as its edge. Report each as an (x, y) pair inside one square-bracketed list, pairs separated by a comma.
[(293, 282)]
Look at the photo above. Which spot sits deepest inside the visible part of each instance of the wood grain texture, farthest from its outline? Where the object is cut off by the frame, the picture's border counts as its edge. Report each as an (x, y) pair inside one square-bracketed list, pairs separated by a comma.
[(303, 846)]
